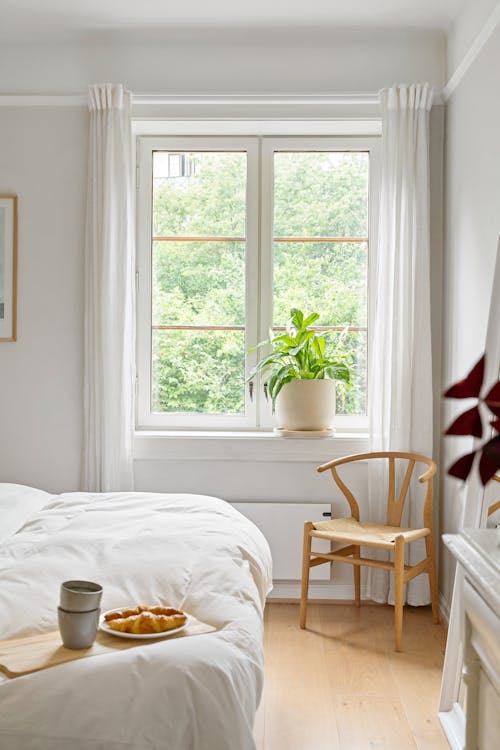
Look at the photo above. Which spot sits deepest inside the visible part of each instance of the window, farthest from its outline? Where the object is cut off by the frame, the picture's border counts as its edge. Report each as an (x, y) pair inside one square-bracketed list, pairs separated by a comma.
[(232, 233)]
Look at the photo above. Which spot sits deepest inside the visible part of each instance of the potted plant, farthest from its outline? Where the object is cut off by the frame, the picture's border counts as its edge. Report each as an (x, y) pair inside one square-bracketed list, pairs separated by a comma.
[(301, 377)]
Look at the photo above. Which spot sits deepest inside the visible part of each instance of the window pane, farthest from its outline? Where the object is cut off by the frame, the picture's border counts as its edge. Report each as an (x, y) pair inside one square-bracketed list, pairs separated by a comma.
[(199, 194), (198, 372), (321, 194), (353, 345), (200, 283), (328, 278)]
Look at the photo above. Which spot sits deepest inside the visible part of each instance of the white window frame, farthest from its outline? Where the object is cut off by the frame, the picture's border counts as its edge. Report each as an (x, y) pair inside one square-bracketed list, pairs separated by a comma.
[(147, 145), (259, 262), (270, 145)]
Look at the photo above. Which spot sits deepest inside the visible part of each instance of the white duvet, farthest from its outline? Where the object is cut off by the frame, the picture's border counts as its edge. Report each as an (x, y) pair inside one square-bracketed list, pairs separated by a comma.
[(190, 551)]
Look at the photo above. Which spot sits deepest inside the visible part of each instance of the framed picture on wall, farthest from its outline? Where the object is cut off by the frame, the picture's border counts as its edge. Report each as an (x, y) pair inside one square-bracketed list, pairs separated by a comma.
[(8, 267)]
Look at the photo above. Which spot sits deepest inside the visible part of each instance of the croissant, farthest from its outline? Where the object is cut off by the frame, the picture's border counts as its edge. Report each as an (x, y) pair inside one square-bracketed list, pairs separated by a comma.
[(124, 613), (130, 612), (146, 622)]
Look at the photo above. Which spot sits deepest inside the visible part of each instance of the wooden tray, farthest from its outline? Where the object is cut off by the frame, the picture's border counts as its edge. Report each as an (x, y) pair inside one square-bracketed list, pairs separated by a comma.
[(26, 655)]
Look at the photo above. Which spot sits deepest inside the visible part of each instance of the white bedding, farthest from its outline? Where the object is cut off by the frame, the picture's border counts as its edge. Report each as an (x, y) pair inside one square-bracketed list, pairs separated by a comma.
[(190, 551)]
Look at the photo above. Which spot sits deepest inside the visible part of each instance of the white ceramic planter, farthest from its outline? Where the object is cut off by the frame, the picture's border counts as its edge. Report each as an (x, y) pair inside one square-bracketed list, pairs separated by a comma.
[(306, 405)]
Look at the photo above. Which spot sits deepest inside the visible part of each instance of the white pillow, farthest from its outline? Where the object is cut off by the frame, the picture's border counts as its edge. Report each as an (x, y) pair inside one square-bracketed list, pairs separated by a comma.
[(17, 504)]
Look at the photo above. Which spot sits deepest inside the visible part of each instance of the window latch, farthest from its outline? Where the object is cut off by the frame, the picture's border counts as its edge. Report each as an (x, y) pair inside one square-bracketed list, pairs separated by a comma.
[(265, 391), (250, 390)]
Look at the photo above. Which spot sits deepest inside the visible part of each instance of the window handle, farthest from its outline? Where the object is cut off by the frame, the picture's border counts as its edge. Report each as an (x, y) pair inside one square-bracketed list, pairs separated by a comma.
[(250, 390), (265, 391)]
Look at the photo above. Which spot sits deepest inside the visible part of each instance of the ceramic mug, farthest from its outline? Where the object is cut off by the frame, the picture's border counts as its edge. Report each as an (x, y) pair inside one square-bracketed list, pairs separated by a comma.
[(78, 629), (80, 596)]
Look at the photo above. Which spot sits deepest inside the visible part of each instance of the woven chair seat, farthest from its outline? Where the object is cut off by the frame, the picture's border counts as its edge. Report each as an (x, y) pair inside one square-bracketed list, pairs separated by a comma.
[(365, 533)]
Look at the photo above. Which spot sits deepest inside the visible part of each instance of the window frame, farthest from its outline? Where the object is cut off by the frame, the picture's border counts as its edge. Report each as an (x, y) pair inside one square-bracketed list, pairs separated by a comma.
[(270, 145), (147, 145), (259, 264)]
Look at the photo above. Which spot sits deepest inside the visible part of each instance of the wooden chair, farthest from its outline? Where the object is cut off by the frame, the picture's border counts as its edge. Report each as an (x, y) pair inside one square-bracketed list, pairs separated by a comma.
[(389, 535)]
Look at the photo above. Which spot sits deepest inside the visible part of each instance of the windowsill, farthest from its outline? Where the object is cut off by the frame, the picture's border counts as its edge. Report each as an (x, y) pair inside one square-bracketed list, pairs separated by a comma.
[(183, 445)]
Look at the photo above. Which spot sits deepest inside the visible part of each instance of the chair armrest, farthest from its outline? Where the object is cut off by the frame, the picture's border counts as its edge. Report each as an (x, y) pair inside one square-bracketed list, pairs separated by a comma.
[(343, 460), (382, 454)]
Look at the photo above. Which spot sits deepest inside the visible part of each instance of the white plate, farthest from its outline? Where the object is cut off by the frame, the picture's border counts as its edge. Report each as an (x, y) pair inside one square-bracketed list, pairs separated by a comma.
[(137, 636)]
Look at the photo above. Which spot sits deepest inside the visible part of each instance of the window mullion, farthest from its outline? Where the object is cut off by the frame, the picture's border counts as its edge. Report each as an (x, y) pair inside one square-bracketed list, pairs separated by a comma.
[(266, 265), (143, 405), (252, 276)]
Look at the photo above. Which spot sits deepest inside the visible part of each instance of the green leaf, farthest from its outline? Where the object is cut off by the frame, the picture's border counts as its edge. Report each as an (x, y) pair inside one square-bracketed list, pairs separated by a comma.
[(312, 318), (296, 349), (296, 317), (339, 371), (279, 380), (258, 346), (318, 343)]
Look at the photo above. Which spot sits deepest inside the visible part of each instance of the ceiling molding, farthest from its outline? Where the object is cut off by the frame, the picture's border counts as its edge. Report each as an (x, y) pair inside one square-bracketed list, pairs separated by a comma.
[(78, 100), (473, 52), (43, 100)]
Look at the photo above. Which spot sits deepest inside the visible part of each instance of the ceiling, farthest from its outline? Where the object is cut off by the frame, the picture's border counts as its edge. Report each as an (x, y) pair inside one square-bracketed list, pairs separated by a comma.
[(50, 19)]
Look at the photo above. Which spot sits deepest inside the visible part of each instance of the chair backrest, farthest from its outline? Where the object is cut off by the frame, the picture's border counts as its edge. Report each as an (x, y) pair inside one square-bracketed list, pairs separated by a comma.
[(395, 505)]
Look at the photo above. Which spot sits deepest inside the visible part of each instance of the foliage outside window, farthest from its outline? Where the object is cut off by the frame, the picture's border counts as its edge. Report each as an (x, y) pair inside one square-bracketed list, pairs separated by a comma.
[(198, 293)]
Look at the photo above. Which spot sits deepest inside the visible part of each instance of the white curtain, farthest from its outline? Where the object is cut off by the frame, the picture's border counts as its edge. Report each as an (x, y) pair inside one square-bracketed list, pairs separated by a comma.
[(109, 295), (400, 368)]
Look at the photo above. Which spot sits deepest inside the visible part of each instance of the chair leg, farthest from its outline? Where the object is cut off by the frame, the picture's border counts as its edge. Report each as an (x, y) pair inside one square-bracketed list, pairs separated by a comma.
[(429, 546), (357, 579), (399, 569), (306, 554)]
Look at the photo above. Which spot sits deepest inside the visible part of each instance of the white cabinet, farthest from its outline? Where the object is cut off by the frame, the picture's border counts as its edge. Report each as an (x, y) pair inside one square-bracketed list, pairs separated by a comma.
[(478, 553), (283, 526)]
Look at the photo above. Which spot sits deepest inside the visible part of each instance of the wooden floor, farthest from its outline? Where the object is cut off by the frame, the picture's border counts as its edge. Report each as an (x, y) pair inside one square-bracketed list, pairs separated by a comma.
[(339, 685)]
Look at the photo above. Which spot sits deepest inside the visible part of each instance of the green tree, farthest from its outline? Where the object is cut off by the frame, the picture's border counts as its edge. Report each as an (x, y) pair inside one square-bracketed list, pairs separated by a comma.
[(203, 283)]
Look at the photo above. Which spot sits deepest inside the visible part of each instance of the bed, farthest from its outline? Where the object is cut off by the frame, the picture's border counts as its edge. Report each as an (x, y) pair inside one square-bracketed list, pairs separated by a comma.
[(191, 551)]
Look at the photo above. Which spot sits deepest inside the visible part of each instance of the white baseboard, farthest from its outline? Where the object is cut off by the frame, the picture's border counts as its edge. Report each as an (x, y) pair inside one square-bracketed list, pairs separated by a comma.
[(453, 723), (319, 590), (328, 590)]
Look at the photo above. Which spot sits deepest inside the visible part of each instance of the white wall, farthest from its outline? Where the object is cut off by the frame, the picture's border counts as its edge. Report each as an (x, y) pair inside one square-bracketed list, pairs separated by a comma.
[(43, 160), (231, 60), (472, 188)]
